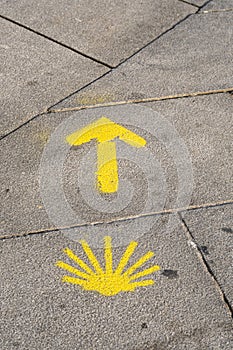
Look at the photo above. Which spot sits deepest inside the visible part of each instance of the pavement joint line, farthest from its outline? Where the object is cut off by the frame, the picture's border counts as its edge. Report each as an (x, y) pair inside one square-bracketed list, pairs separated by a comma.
[(79, 90), (133, 217), (44, 112), (142, 100), (56, 41), (189, 3), (90, 57), (204, 261), (49, 110), (219, 10), (155, 39), (201, 7), (124, 61)]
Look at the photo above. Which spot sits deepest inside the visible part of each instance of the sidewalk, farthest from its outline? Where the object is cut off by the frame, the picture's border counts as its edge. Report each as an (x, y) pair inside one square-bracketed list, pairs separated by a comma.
[(116, 142)]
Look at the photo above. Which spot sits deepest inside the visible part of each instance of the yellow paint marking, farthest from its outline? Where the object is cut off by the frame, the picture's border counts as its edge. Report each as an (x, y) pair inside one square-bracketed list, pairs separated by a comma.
[(108, 255), (105, 131), (146, 272), (143, 283), (107, 173), (108, 282), (42, 137), (78, 261), (125, 258), (74, 280), (86, 99), (71, 269), (91, 257), (139, 263)]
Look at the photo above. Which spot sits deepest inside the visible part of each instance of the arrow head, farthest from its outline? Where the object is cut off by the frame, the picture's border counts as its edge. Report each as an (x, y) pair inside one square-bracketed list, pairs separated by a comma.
[(104, 130)]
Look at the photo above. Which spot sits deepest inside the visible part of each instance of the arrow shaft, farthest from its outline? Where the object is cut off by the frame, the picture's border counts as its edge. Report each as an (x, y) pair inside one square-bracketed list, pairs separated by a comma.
[(104, 131), (107, 167)]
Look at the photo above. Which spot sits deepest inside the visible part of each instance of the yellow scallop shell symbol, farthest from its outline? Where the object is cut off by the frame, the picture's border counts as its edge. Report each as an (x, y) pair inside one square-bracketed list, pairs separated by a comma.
[(108, 281)]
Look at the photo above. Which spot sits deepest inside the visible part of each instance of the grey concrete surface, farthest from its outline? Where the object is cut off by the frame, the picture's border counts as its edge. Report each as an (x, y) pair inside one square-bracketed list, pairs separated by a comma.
[(213, 232), (218, 5), (189, 307), (110, 31), (182, 310), (197, 2), (203, 123), (36, 73), (187, 59)]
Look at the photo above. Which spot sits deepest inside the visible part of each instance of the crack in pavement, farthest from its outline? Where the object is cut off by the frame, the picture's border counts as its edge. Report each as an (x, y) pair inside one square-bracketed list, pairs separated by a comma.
[(202, 258), (44, 112), (217, 10), (122, 219), (201, 7), (142, 100), (117, 103)]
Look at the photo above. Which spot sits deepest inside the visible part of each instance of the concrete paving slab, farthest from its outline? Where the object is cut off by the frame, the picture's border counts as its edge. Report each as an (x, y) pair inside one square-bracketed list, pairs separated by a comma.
[(187, 59), (23, 209), (182, 310), (197, 2), (203, 123), (213, 232), (36, 73), (218, 5), (107, 30)]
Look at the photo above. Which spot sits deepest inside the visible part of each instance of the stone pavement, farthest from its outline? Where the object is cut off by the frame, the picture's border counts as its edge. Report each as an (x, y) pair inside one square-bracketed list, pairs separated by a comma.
[(162, 70)]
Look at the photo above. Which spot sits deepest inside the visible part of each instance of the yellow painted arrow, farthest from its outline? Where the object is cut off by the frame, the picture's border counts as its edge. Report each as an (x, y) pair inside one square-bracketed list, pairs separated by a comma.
[(105, 131)]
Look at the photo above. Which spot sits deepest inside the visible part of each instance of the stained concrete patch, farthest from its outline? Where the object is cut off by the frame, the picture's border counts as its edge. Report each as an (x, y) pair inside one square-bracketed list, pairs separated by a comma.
[(23, 209), (110, 31), (203, 123), (41, 312), (187, 59), (213, 232), (36, 73)]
